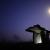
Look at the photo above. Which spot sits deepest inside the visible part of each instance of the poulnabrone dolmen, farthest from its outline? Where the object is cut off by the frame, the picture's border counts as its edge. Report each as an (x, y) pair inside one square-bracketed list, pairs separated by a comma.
[(40, 34)]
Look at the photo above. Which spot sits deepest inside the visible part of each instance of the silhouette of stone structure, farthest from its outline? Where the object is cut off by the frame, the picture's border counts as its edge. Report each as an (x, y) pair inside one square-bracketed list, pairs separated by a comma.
[(40, 34)]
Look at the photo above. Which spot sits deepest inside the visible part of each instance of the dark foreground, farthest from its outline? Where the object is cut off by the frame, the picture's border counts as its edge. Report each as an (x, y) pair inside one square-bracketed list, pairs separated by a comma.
[(24, 45), (17, 45)]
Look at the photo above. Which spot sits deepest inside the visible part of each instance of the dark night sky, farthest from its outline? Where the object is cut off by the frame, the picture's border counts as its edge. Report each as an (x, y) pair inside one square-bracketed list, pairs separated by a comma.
[(17, 15)]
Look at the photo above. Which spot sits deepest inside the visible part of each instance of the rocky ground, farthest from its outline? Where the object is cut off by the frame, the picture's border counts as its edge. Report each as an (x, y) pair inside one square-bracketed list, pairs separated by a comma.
[(24, 45)]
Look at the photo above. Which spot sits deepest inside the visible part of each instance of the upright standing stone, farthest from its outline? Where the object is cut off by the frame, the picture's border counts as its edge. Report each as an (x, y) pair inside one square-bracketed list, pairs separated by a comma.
[(38, 34)]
